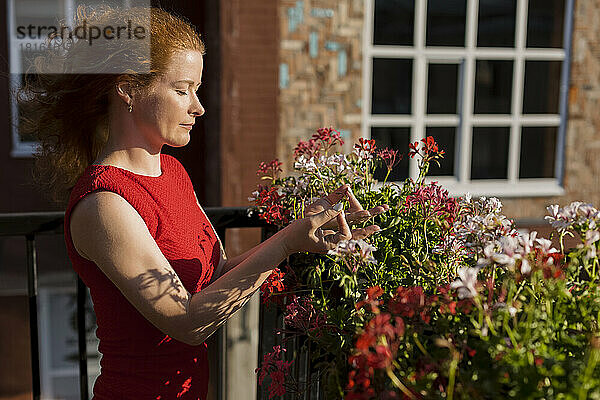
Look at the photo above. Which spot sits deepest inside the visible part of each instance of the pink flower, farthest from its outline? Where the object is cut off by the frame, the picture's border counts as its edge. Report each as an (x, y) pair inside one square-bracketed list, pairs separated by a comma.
[(390, 157), (270, 169), (433, 201), (302, 315)]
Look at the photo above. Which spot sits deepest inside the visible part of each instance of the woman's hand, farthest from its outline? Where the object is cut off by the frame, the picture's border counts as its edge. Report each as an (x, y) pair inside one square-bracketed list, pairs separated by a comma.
[(357, 214), (314, 232)]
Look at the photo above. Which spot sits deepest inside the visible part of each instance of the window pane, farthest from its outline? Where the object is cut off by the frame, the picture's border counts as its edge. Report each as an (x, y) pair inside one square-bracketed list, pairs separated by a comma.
[(446, 22), (392, 86), (545, 23), (38, 14), (538, 152), (496, 27), (489, 154), (442, 88), (445, 137), (394, 22), (395, 139), (542, 82), (493, 86)]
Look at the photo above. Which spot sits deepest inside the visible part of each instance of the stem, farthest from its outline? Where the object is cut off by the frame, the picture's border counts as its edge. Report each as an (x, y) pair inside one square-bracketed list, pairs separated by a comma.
[(386, 176), (420, 345), (452, 375), (425, 234), (399, 383), (322, 292), (591, 365)]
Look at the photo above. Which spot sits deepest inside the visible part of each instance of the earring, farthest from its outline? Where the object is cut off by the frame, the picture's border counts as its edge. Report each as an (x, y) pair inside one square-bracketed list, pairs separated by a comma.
[(130, 108)]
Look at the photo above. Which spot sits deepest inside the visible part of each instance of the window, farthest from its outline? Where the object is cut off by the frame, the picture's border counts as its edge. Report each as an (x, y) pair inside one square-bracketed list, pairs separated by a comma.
[(483, 77), (39, 14)]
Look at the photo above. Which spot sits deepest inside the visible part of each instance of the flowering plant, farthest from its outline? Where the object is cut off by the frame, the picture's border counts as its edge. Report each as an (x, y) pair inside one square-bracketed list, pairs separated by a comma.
[(447, 300)]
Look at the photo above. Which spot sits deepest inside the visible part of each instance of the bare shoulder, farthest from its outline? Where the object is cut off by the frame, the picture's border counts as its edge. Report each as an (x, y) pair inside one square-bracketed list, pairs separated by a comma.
[(103, 216), (107, 230)]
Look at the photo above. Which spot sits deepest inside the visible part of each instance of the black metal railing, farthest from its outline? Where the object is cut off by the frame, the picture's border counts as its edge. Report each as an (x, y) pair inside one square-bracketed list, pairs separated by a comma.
[(30, 225)]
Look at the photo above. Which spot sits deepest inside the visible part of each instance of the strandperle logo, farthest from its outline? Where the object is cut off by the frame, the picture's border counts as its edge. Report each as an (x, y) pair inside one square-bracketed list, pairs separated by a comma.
[(84, 31)]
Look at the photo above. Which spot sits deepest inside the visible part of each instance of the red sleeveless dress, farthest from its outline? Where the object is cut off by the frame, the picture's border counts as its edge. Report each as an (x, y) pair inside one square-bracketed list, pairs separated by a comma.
[(138, 360)]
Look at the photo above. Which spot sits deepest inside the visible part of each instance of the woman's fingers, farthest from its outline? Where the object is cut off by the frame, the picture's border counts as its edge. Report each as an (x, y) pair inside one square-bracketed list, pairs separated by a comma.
[(337, 195), (354, 203), (363, 233), (327, 201), (344, 232), (320, 219)]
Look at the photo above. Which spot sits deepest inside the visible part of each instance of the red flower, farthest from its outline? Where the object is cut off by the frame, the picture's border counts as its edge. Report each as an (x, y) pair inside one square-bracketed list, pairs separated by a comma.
[(408, 302), (308, 149), (372, 294), (276, 369), (413, 149), (272, 286), (273, 211), (323, 140), (539, 361), (365, 148), (430, 149), (328, 136)]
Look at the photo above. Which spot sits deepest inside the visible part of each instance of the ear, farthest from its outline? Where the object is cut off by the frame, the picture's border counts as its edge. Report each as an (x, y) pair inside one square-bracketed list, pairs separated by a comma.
[(124, 91)]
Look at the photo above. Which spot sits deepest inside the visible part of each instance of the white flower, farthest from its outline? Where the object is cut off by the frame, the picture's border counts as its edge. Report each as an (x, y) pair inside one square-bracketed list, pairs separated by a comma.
[(466, 282), (591, 237), (348, 247), (254, 196), (306, 164), (525, 267)]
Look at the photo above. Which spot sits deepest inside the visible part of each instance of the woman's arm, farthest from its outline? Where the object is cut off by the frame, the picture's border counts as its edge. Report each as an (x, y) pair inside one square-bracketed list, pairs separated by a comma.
[(107, 230)]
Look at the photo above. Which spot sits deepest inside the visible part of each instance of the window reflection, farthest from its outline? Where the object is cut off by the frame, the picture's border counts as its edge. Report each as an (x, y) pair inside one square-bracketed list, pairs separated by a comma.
[(392, 86), (489, 154), (545, 20), (394, 22), (540, 162), (446, 22), (496, 26), (493, 86), (542, 84)]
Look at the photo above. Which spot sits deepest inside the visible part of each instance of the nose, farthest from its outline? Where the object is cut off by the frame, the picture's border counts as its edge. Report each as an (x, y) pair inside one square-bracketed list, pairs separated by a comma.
[(196, 108)]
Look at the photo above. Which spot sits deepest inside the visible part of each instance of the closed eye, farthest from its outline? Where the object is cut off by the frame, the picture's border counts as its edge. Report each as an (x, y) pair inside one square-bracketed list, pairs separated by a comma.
[(182, 92)]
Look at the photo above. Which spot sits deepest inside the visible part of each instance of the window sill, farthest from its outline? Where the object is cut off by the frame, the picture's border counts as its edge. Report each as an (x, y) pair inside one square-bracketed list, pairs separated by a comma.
[(502, 188)]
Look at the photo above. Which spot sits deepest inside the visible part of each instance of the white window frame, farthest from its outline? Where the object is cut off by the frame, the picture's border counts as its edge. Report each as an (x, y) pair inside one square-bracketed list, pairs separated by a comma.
[(465, 120)]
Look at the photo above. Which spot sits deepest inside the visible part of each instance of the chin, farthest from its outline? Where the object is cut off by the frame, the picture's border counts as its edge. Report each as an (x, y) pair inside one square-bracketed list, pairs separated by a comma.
[(180, 141)]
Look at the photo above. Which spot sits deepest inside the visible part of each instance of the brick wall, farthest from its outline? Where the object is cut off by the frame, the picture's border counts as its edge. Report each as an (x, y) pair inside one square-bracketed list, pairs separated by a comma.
[(320, 70), (248, 94)]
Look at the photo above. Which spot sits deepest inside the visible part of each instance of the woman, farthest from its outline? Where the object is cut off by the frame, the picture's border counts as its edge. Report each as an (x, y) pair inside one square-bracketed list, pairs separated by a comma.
[(135, 233)]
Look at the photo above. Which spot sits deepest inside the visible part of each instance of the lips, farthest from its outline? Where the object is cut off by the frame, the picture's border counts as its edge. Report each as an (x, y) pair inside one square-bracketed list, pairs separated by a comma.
[(187, 126)]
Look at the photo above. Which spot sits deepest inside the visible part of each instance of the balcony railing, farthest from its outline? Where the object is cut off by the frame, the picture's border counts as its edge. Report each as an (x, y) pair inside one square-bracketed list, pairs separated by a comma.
[(33, 224)]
